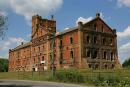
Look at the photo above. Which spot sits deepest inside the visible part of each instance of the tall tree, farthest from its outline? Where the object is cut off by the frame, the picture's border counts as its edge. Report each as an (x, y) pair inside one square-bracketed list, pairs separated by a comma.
[(3, 25)]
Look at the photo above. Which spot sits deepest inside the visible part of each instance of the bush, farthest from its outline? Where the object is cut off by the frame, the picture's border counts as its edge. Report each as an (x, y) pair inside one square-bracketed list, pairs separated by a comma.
[(73, 76)]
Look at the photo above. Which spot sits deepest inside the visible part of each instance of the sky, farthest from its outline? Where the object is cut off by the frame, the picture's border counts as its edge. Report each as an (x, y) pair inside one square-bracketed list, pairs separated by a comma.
[(116, 13)]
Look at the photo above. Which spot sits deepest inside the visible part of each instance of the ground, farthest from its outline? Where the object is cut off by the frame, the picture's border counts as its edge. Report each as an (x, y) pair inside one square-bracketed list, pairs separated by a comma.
[(24, 83)]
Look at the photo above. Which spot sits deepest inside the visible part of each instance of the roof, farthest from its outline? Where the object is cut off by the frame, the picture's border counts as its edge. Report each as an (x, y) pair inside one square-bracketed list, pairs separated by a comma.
[(22, 46), (67, 30)]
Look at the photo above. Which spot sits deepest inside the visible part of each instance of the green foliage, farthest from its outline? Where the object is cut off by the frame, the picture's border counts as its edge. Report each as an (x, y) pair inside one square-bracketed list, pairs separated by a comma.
[(126, 63), (73, 76), (3, 65)]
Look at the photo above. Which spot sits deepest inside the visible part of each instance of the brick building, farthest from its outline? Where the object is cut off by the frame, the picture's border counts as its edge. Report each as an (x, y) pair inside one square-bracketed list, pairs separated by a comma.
[(89, 45)]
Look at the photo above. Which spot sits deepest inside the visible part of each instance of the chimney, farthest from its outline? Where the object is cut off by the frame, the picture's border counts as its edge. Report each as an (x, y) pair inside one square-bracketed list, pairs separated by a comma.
[(114, 30), (52, 17), (80, 25), (98, 15)]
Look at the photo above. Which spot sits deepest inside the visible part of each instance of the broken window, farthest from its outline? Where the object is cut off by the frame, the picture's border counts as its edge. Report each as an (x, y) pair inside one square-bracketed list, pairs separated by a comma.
[(88, 54), (104, 55), (60, 42), (112, 56), (111, 41), (61, 58), (95, 53), (95, 40), (39, 49), (71, 40), (104, 41), (43, 58), (71, 54), (95, 27), (88, 39)]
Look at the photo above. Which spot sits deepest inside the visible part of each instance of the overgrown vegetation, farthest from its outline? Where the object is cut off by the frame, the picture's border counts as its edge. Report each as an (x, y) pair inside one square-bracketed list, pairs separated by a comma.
[(102, 78), (126, 64), (72, 76), (3, 65)]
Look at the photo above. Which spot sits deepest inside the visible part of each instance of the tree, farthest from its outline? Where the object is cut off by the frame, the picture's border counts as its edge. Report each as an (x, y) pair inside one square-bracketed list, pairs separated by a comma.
[(3, 65), (3, 25), (126, 63)]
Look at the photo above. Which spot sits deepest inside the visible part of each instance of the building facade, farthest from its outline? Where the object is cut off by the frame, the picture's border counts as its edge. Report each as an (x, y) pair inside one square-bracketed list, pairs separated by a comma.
[(91, 45)]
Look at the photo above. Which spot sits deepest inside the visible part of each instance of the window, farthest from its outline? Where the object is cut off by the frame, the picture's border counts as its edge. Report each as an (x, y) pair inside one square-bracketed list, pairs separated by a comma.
[(71, 54), (60, 42), (43, 47), (104, 41), (34, 60), (95, 53), (39, 59), (90, 65), (104, 55), (43, 58), (112, 56), (61, 58), (111, 41), (88, 39), (95, 27), (34, 49), (88, 54), (39, 49), (95, 40), (71, 40)]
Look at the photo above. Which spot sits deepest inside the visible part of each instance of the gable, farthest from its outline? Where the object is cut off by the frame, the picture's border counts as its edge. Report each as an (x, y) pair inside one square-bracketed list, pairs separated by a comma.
[(99, 25)]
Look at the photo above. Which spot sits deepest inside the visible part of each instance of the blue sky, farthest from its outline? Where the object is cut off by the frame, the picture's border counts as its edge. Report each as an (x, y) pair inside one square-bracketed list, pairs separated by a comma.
[(114, 12)]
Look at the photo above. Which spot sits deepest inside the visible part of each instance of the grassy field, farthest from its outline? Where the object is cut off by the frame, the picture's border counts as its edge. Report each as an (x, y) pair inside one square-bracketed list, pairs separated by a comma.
[(102, 78)]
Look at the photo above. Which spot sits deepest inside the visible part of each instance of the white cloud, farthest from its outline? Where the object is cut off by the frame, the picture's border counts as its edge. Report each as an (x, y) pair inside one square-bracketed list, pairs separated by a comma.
[(123, 3), (124, 52), (84, 20), (124, 34), (28, 8), (8, 44), (125, 48)]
